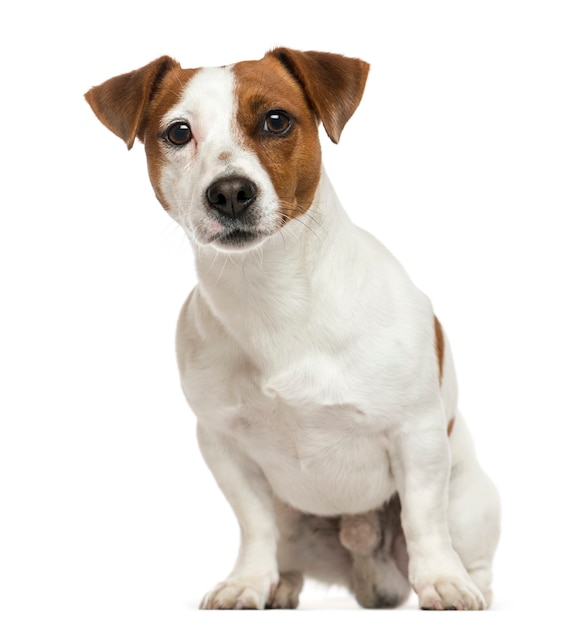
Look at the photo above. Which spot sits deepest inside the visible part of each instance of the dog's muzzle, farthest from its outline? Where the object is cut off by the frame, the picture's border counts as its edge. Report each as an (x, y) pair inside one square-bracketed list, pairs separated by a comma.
[(231, 201)]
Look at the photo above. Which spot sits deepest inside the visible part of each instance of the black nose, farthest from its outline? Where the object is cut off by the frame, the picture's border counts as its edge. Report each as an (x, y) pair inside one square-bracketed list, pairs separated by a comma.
[(231, 196)]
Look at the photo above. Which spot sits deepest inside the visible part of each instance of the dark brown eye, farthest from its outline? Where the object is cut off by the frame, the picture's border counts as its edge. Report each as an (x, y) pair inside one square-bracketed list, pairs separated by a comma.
[(277, 123), (179, 133)]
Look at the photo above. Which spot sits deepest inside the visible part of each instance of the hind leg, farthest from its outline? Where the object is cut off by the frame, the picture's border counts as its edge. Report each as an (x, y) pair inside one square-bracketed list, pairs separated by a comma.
[(474, 512)]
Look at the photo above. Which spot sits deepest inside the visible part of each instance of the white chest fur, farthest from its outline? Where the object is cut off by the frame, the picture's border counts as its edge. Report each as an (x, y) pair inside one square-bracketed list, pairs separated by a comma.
[(322, 459)]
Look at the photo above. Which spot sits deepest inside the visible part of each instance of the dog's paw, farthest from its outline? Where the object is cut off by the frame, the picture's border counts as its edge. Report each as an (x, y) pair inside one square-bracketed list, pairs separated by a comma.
[(287, 592), (239, 594), (450, 593)]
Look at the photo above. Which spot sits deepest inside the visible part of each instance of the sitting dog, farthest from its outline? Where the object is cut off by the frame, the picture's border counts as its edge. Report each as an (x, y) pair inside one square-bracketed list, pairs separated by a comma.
[(322, 381)]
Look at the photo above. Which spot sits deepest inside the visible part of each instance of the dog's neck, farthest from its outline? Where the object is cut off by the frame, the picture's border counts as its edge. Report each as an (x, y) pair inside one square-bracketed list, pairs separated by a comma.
[(247, 290)]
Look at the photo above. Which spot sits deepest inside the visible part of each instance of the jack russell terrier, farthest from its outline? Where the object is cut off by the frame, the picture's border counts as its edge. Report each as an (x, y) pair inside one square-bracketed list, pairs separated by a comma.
[(322, 381)]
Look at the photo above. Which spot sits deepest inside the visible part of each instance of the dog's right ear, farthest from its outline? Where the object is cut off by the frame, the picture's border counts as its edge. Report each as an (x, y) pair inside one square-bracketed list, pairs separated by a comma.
[(120, 103)]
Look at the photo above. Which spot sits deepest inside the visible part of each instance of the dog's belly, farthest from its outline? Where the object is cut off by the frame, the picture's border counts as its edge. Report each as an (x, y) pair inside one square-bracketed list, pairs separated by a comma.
[(320, 460)]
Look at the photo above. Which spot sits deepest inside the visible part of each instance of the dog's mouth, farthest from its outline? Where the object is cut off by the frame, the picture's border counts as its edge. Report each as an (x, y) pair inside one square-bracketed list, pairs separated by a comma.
[(230, 237), (238, 239)]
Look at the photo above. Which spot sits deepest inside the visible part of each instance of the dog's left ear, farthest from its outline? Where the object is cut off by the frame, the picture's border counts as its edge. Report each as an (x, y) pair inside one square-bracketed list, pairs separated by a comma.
[(333, 83), (120, 103)]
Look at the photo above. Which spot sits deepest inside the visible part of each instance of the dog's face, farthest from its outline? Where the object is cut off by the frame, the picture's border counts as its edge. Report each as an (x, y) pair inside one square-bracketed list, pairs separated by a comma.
[(216, 157), (233, 152)]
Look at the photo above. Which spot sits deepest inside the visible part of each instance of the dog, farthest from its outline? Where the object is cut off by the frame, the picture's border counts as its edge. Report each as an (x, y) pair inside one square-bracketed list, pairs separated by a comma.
[(322, 381)]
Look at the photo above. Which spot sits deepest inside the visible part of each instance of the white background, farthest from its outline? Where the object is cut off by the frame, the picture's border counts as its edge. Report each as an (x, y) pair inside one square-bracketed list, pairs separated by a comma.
[(459, 159)]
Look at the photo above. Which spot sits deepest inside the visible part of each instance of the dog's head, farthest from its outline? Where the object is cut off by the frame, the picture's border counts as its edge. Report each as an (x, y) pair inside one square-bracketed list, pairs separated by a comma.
[(233, 152)]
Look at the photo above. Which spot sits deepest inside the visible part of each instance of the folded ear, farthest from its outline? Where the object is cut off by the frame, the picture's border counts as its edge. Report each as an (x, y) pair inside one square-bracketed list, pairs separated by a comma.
[(333, 84), (120, 103)]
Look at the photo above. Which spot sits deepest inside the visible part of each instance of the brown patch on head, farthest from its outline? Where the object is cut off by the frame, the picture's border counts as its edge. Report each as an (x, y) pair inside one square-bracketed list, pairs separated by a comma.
[(172, 87), (439, 347), (224, 156), (450, 426), (121, 103), (293, 161), (131, 106), (307, 87), (333, 84)]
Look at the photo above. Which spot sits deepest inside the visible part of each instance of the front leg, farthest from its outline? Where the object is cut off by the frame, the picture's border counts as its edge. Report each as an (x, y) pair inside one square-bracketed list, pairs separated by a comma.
[(421, 464), (255, 574)]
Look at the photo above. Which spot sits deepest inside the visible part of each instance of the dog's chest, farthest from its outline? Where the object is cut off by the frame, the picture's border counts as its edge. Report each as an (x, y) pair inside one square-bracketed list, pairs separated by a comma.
[(312, 421), (322, 459)]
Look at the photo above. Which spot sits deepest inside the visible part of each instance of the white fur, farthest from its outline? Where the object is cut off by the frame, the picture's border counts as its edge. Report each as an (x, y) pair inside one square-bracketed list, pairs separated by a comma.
[(309, 361)]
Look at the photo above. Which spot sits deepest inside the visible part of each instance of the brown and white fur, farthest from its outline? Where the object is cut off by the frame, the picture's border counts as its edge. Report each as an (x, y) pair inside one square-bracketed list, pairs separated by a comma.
[(321, 379)]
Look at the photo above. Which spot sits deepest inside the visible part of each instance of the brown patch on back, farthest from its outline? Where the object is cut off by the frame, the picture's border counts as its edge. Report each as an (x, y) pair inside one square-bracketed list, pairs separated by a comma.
[(439, 346), (450, 426)]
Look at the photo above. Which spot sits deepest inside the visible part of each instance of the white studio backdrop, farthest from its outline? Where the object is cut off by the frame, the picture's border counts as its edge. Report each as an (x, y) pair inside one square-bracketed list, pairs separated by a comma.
[(459, 159)]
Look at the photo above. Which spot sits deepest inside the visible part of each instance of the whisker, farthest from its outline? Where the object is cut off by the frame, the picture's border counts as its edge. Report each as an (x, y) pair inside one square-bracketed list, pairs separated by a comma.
[(313, 218), (215, 258), (299, 218), (283, 238), (232, 260), (300, 212), (226, 256), (261, 259), (293, 234)]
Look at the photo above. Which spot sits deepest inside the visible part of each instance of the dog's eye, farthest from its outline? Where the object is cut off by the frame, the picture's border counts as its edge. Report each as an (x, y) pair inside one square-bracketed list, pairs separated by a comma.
[(179, 133), (277, 123)]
